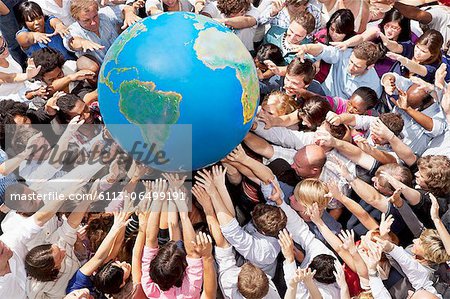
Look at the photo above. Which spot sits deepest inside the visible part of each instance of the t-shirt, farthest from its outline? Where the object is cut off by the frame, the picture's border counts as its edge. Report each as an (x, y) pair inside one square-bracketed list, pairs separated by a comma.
[(440, 21), (408, 51), (56, 41), (79, 281)]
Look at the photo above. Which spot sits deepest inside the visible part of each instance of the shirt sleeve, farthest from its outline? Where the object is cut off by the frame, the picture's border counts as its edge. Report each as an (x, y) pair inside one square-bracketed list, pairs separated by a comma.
[(439, 121), (79, 281), (228, 271), (417, 274), (253, 249), (331, 54), (363, 122), (193, 278), (149, 287), (67, 233), (378, 289), (303, 236), (284, 136)]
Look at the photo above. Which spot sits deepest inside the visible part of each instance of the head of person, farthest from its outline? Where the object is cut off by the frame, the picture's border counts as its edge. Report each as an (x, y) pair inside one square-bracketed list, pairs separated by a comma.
[(309, 161), (112, 277), (434, 174), (167, 269), (300, 27), (268, 52), (26, 208), (340, 26), (31, 16), (233, 8), (323, 264), (12, 113), (430, 248), (313, 111), (428, 47), (70, 106), (363, 57), (298, 76), (278, 103), (401, 173), (51, 62), (394, 122), (418, 98), (88, 62), (252, 283), (341, 132), (362, 99), (395, 26), (43, 262), (269, 220), (306, 193), (171, 3), (295, 7), (85, 12), (4, 51)]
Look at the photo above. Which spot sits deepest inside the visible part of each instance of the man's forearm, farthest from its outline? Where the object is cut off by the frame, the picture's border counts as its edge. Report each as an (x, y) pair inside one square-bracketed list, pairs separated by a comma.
[(425, 121), (413, 13), (403, 151), (314, 49), (260, 170), (240, 22), (355, 154)]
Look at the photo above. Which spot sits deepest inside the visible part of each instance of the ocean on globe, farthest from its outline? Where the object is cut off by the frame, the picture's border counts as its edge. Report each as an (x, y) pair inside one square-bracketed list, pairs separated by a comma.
[(178, 91)]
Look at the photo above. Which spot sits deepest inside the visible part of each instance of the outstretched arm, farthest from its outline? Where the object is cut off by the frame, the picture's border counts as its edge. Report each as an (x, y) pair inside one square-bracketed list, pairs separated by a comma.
[(158, 191)]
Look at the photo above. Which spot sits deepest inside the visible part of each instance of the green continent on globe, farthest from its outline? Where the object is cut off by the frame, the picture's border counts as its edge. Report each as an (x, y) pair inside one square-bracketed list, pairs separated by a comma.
[(217, 51), (153, 111), (124, 38)]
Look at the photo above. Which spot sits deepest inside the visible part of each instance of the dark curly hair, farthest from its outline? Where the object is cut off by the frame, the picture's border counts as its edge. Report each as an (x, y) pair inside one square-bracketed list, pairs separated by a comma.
[(324, 266), (49, 59), (228, 7)]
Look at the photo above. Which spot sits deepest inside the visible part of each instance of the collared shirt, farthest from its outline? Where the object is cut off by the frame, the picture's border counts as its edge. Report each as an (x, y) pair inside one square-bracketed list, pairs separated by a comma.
[(229, 273), (260, 250), (339, 82), (110, 19)]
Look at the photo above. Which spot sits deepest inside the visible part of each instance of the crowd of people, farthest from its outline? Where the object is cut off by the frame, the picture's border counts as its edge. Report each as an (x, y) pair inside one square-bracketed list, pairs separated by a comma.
[(341, 188)]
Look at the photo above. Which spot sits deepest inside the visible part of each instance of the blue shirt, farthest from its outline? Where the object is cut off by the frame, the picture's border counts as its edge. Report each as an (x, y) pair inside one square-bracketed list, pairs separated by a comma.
[(80, 281), (5, 181), (56, 41), (339, 83), (408, 52)]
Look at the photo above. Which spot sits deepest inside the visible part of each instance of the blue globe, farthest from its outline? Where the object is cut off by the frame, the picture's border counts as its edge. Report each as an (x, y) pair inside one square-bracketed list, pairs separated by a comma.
[(178, 91)]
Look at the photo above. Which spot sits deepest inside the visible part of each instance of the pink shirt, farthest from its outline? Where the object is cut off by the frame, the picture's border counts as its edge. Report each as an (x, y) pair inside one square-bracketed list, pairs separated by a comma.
[(192, 282)]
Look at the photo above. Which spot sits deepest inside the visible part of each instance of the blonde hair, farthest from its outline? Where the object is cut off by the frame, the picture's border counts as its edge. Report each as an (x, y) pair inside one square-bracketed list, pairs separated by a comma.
[(284, 104), (310, 191), (77, 6), (364, 295), (433, 247)]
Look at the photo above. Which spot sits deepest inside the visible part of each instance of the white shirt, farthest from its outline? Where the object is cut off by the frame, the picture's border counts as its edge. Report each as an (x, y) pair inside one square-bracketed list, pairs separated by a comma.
[(64, 237), (50, 8), (12, 285), (312, 247), (185, 5), (11, 89), (260, 250), (229, 272), (417, 274), (440, 21)]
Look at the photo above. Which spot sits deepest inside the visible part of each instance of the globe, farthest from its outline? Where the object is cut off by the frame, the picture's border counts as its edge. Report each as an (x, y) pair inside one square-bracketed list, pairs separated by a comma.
[(178, 91)]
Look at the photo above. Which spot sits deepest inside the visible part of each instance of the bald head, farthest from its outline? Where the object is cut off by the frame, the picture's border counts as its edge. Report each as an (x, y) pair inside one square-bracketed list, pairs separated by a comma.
[(416, 95), (309, 161)]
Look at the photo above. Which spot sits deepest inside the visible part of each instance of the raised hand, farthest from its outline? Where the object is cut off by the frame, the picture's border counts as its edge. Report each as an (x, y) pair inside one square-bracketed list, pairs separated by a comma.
[(129, 19), (340, 166), (333, 118), (202, 196), (380, 129), (385, 225), (392, 180), (203, 245), (273, 67), (39, 37), (267, 119), (32, 70), (276, 195), (372, 256), (219, 173), (306, 275), (340, 45), (314, 213), (385, 245), (396, 199), (61, 29), (205, 180), (434, 211), (87, 45), (277, 6), (441, 73), (334, 191), (175, 182), (402, 101), (287, 245), (301, 52), (339, 274), (324, 138), (363, 144), (348, 241), (238, 155)]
